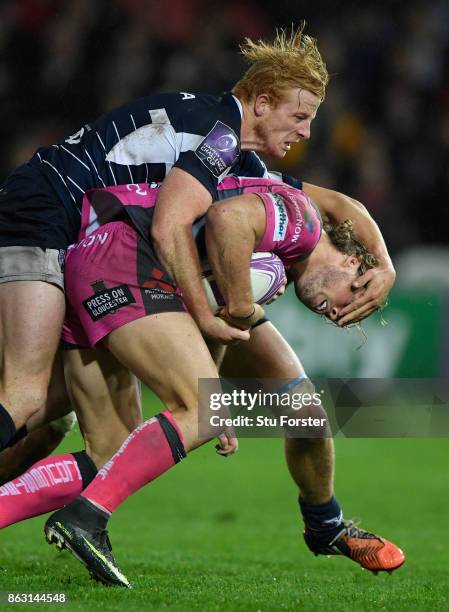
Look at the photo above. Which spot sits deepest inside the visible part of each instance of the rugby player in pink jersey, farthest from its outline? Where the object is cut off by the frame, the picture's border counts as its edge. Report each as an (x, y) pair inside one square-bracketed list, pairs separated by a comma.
[(117, 257)]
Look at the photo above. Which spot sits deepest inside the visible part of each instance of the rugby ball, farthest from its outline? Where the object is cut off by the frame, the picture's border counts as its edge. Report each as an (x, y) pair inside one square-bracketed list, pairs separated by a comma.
[(267, 275)]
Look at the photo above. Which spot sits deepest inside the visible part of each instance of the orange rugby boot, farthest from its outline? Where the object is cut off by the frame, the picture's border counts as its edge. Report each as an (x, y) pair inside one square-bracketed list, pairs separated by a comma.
[(367, 549)]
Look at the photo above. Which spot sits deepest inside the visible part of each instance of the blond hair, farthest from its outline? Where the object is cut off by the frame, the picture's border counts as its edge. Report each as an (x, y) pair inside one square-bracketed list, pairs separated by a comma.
[(291, 61), (343, 238)]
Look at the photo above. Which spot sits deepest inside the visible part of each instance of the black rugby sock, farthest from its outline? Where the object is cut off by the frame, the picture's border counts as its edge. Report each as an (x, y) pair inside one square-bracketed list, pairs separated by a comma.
[(324, 520), (7, 428), (176, 446), (86, 466)]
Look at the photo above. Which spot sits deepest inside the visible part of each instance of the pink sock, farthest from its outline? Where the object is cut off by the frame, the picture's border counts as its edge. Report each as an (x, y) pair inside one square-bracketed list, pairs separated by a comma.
[(149, 451), (48, 485)]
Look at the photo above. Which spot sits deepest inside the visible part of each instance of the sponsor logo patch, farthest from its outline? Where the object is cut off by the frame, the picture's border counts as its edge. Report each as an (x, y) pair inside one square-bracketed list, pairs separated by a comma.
[(107, 301), (158, 300), (309, 221), (219, 149), (159, 294), (280, 218)]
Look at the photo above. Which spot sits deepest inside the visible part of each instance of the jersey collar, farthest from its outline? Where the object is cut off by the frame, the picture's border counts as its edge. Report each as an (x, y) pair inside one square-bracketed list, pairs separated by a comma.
[(239, 105)]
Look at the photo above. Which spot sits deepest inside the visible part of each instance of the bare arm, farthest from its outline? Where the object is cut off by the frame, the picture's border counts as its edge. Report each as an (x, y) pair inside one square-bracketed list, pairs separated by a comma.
[(182, 199), (378, 281), (233, 229)]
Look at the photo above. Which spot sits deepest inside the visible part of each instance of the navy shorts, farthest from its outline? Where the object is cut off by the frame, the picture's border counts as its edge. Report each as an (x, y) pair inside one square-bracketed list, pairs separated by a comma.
[(32, 214)]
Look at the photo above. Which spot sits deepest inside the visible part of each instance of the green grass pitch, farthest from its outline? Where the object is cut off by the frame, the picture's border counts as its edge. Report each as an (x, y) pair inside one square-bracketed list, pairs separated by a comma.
[(225, 534)]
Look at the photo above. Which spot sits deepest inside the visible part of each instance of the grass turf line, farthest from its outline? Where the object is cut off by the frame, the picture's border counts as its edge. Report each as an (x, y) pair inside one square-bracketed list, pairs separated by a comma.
[(224, 534)]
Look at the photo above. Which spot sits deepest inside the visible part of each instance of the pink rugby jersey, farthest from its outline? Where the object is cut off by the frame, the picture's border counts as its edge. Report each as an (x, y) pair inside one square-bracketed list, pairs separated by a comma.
[(293, 221), (292, 230)]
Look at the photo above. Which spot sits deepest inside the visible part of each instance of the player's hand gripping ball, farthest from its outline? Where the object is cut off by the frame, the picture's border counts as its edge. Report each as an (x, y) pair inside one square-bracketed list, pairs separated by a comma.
[(267, 280)]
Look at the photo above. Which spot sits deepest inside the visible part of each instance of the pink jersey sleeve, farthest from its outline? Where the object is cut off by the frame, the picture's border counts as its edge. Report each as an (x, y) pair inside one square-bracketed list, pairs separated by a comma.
[(293, 225)]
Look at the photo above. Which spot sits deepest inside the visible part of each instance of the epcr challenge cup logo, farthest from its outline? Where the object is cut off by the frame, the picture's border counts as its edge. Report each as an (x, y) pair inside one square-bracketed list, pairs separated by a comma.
[(225, 143)]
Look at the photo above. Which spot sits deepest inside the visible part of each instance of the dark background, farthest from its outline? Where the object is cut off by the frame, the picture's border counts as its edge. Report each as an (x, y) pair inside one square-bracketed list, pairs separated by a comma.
[(381, 136)]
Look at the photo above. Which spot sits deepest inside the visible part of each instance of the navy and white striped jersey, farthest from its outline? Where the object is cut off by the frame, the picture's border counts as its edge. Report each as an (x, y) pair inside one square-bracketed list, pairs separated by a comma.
[(137, 143), (141, 141)]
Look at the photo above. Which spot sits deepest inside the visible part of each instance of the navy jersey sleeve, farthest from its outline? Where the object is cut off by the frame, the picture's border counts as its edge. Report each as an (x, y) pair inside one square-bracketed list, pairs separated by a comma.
[(188, 162), (292, 181), (285, 178), (217, 149), (250, 164)]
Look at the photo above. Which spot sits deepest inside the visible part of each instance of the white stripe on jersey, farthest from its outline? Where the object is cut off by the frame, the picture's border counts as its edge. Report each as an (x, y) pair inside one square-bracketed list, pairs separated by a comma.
[(113, 175), (118, 136), (133, 122), (76, 184), (44, 161), (93, 164), (239, 105), (101, 142), (77, 158), (116, 130)]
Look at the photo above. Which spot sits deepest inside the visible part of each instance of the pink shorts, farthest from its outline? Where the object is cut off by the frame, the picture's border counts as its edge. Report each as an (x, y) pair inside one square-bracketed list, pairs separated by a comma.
[(113, 277)]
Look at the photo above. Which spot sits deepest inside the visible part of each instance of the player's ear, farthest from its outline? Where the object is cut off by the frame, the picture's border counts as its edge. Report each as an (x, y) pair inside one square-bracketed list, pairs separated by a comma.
[(351, 261), (262, 104)]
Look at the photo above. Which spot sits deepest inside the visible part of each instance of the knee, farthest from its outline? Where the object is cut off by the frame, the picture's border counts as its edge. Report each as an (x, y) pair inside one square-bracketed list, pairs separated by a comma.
[(184, 402), (307, 400), (34, 399), (305, 416), (25, 404), (307, 445)]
